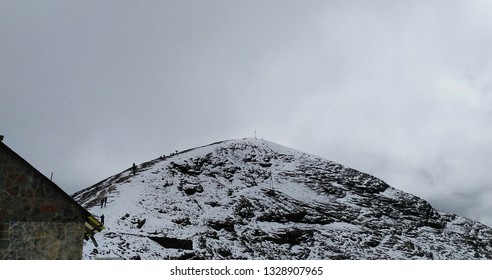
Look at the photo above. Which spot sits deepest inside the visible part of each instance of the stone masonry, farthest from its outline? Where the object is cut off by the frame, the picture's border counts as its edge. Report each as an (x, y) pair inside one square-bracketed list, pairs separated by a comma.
[(38, 220)]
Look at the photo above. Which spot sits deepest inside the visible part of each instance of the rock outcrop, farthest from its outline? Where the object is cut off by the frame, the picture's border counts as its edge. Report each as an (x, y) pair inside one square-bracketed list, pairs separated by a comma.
[(253, 199)]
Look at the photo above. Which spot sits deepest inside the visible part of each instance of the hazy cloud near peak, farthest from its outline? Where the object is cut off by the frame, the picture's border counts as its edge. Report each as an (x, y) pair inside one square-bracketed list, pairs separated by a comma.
[(401, 90)]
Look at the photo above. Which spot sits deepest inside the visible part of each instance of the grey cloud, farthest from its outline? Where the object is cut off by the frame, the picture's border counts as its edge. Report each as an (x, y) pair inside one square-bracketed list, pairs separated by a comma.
[(400, 90)]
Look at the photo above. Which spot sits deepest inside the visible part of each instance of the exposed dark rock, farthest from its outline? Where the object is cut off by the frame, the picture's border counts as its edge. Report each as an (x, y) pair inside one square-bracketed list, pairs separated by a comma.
[(185, 221), (293, 236), (226, 224), (192, 189), (141, 223), (244, 208)]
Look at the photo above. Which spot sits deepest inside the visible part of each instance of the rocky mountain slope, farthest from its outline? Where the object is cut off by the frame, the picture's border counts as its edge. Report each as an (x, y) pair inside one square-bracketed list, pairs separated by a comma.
[(253, 199)]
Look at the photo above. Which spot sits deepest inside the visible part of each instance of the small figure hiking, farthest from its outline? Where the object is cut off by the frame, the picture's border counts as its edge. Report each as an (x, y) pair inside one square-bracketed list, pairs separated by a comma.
[(134, 168), (104, 201), (102, 219)]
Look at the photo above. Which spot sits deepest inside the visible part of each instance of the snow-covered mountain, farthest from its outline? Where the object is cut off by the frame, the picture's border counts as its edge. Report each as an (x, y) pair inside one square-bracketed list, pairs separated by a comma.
[(254, 199)]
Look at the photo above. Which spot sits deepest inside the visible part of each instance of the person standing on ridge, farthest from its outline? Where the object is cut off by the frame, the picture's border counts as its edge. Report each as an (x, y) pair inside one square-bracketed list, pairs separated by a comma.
[(134, 168)]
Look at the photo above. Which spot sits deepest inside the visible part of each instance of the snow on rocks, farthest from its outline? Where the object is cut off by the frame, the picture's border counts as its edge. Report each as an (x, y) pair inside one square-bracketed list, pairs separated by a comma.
[(254, 199)]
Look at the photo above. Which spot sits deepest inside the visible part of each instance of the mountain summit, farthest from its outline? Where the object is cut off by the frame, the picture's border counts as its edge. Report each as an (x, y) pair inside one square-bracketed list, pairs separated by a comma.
[(254, 199)]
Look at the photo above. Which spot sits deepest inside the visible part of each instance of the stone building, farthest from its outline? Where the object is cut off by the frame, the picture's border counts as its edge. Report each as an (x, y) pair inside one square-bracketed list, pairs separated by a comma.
[(38, 220)]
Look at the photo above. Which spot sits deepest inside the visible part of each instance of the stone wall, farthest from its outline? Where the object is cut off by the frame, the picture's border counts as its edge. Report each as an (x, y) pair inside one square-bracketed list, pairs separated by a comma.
[(37, 218), (43, 241)]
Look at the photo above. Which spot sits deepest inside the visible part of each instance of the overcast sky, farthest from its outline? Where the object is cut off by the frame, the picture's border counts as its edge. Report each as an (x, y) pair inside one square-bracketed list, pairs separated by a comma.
[(399, 89)]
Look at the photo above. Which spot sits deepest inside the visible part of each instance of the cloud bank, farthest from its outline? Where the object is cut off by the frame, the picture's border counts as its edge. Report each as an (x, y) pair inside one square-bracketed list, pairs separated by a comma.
[(398, 90)]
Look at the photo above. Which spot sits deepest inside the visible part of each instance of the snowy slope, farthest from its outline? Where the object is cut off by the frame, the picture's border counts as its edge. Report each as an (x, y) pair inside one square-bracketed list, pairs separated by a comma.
[(254, 199)]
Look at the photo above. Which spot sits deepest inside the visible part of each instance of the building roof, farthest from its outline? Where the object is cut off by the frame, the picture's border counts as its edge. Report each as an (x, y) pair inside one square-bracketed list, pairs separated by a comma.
[(92, 225)]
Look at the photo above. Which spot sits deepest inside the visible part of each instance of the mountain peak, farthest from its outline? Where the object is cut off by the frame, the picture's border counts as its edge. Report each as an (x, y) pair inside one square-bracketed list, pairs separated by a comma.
[(255, 199)]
